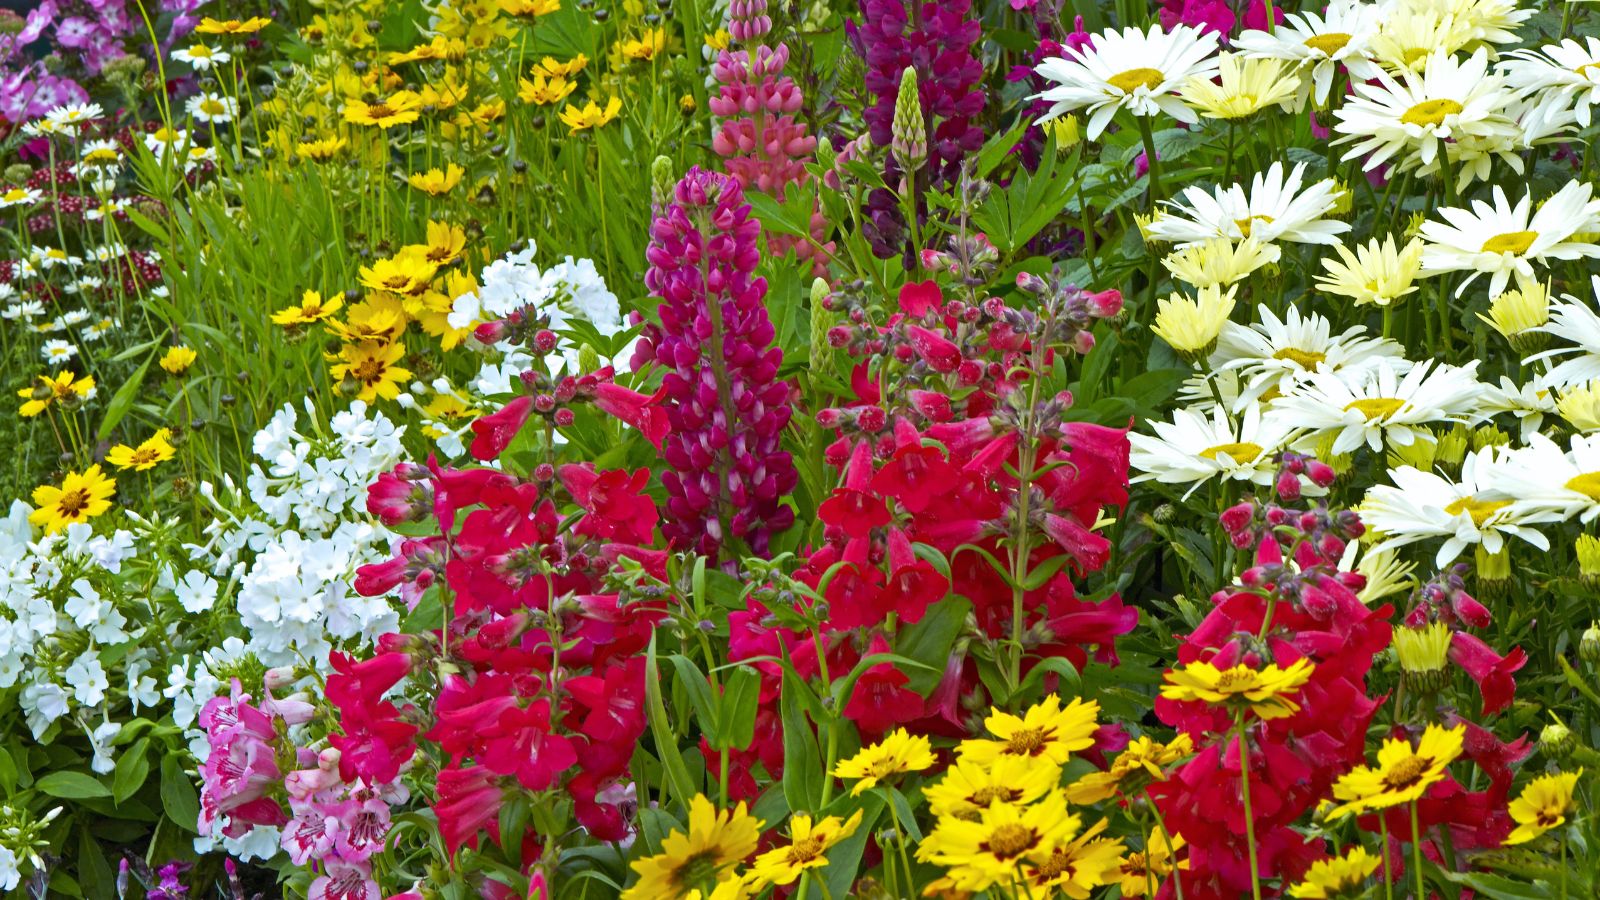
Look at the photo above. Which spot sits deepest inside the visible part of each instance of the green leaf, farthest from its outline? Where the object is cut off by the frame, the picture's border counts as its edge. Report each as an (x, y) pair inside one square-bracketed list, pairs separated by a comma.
[(133, 767), (666, 746), (178, 795), (802, 761), (694, 681), (94, 870), (929, 640), (1498, 887), (8, 773), (845, 858), (737, 707), (70, 785), (122, 401)]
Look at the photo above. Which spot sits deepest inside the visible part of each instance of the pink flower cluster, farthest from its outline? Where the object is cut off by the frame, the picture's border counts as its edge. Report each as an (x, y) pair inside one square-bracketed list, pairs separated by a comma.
[(728, 472)]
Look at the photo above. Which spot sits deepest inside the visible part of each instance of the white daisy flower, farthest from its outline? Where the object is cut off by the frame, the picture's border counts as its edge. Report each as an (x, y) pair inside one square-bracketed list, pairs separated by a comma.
[(1576, 322), (1386, 573), (1568, 72), (1274, 209), (1341, 35), (1378, 404), (1420, 506), (212, 107), (1275, 354), (1486, 22), (1192, 448), (1550, 486), (1530, 402), (57, 351), (74, 114), (20, 196), (1414, 119), (201, 57), (1099, 78), (1409, 33), (1502, 240)]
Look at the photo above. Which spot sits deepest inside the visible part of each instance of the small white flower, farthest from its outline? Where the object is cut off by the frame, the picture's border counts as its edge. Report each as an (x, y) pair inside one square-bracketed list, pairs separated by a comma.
[(87, 678), (197, 592)]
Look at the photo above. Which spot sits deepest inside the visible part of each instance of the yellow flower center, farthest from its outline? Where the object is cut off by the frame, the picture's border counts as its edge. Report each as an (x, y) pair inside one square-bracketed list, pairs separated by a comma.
[(1058, 864), (1028, 741), (1587, 484), (1431, 113), (1010, 841), (379, 111), (1133, 79), (369, 371), (1406, 772), (1235, 681), (1586, 67), (1479, 510), (804, 851), (1511, 242), (1241, 452), (1374, 408), (1305, 359), (986, 795), (1328, 44), (1245, 224), (882, 767), (143, 457), (72, 503)]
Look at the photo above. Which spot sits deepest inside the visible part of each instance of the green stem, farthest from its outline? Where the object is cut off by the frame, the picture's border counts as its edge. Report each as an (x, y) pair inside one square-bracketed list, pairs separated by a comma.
[(1416, 852), (1249, 816), (1388, 868), (1150, 158)]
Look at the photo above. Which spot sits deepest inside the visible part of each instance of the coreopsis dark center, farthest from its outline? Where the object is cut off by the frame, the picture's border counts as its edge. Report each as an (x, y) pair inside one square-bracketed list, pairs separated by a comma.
[(369, 371), (1010, 841), (1431, 113), (379, 111), (1407, 772), (985, 795), (1028, 741), (72, 503), (805, 851), (1133, 79)]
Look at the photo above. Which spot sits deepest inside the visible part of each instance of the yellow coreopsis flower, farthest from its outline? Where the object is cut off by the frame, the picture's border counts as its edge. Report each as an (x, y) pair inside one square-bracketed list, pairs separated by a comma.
[(1264, 692), (373, 369), (1143, 761), (49, 389), (403, 273), (1075, 867), (969, 787), (444, 245), (530, 9), (809, 843), (543, 91), (435, 182), (1045, 730), (1141, 869), (1544, 804), (715, 842), (1342, 876), (80, 498), (380, 319), (898, 753), (996, 847), (550, 67), (645, 47), (398, 108), (178, 359), (718, 40), (147, 455), (1243, 88), (321, 149), (1403, 773), (312, 309), (589, 115), (1191, 326), (251, 25), (445, 408)]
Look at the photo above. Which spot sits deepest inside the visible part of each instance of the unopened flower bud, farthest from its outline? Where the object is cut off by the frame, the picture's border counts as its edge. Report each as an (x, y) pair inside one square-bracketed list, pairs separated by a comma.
[(1587, 549), (1589, 644), (909, 142), (1557, 740)]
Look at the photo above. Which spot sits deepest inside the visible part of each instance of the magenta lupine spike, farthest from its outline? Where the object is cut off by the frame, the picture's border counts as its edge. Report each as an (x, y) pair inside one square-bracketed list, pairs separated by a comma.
[(756, 132), (728, 472)]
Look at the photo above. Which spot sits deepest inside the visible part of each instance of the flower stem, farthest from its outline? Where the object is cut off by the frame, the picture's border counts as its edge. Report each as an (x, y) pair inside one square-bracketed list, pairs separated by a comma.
[(1388, 868), (1416, 851), (1161, 829), (1150, 160), (1249, 814)]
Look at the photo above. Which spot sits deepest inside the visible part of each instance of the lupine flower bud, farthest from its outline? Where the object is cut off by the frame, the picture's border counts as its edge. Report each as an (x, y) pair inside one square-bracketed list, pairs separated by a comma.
[(909, 141), (728, 471)]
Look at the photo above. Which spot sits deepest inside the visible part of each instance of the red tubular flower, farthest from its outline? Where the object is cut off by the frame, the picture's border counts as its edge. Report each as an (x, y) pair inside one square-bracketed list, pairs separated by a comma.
[(1490, 670), (375, 742), (881, 700), (615, 502), (469, 803), (642, 412), (913, 583), (494, 432)]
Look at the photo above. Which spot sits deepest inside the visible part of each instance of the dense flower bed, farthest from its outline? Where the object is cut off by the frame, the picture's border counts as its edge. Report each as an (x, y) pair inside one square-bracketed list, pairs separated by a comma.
[(730, 449)]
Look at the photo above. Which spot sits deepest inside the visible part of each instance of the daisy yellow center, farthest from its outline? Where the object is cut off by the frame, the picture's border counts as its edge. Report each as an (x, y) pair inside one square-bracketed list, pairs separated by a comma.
[(1587, 484), (1587, 67), (1373, 408), (97, 156), (804, 851), (1329, 43), (212, 106), (1027, 741), (987, 795), (72, 503), (1431, 112), (1133, 79), (1511, 242), (15, 194), (1406, 772), (1245, 224), (1243, 451), (1479, 510), (1305, 359), (1009, 841)]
